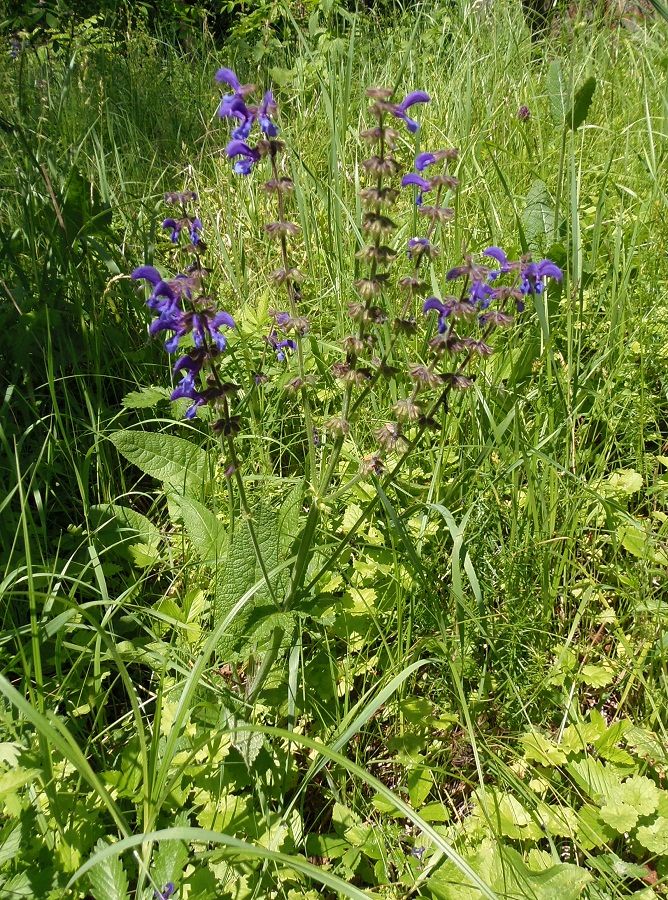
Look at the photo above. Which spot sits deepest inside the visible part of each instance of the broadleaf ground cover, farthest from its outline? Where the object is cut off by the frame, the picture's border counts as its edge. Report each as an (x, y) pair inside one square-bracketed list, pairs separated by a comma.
[(361, 592)]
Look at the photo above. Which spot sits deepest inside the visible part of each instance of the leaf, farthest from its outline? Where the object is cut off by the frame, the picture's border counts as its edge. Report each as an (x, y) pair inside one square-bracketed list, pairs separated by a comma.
[(592, 830), (611, 864), (593, 777), (640, 793), (176, 462), (419, 781), (204, 529), (108, 880), (538, 216), (654, 837), (541, 750), (169, 861), (17, 886), (623, 482), (10, 841), (581, 103), (597, 676), (557, 91), (239, 571), (637, 541), (146, 398), (16, 779), (619, 815), (120, 527)]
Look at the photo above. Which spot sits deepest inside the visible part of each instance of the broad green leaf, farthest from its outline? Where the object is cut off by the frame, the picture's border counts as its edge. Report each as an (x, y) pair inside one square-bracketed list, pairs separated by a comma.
[(17, 886), (506, 872), (640, 543), (16, 779), (654, 837), (146, 398), (619, 815), (541, 750), (538, 216), (176, 462), (239, 571), (640, 793), (592, 830), (597, 676), (581, 103), (611, 864), (169, 860), (108, 880), (206, 532), (594, 777), (623, 482), (557, 93), (10, 841), (328, 845), (420, 781)]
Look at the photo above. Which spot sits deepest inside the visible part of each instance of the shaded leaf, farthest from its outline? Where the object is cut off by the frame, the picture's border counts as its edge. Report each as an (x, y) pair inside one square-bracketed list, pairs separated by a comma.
[(108, 880), (581, 103)]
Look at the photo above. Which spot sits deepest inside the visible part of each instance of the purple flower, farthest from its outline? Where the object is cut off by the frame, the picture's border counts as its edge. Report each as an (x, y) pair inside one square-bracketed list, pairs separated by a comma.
[(232, 106), (523, 113), (166, 891), (399, 110), (227, 76), (422, 160), (498, 254), (171, 319), (265, 112), (418, 181), (176, 225), (249, 156), (195, 231), (418, 246), (532, 275), (280, 346), (443, 310), (481, 293)]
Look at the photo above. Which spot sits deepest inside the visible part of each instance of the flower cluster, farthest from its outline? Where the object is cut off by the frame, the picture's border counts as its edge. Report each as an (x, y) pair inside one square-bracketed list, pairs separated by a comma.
[(191, 316), (234, 106), (482, 289)]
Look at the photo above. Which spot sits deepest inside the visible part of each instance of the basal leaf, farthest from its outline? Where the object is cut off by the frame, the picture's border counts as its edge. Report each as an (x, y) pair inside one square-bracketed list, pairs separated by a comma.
[(176, 462), (170, 858), (557, 92), (538, 216), (541, 750), (121, 528), (640, 793)]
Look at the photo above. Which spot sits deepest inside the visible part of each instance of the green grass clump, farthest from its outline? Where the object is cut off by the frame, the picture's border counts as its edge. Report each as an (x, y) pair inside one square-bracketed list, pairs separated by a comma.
[(470, 700)]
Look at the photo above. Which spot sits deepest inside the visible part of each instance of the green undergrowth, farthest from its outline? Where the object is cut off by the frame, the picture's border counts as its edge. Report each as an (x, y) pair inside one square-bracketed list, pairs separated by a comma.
[(470, 701)]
